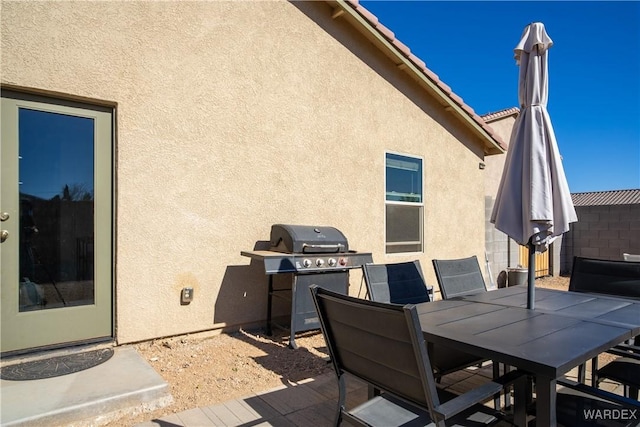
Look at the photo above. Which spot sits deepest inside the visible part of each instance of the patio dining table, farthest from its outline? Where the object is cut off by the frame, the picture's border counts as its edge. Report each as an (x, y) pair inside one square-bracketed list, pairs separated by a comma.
[(603, 308), (564, 330)]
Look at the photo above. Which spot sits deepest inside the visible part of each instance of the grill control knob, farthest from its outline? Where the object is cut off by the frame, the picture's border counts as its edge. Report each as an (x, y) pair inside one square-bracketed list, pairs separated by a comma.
[(319, 262), (343, 261), (306, 263), (332, 262)]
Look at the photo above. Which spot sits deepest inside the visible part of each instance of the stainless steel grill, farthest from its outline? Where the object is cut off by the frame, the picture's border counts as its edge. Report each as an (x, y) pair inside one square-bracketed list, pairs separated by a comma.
[(306, 255)]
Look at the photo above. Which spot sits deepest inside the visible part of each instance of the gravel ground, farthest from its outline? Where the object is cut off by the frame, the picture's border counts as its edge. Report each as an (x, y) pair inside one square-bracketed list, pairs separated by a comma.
[(202, 371)]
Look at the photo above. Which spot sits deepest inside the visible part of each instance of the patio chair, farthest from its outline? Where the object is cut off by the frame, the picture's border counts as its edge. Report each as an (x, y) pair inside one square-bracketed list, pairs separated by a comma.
[(382, 345), (609, 277), (624, 370), (462, 276), (403, 283), (615, 278), (580, 405), (458, 277), (399, 283)]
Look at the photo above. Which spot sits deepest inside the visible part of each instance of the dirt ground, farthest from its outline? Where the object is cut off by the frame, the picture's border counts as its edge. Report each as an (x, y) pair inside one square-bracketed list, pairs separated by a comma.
[(202, 371)]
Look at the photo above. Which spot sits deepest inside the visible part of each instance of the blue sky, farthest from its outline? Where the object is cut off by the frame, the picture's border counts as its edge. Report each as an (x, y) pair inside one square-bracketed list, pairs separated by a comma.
[(594, 72)]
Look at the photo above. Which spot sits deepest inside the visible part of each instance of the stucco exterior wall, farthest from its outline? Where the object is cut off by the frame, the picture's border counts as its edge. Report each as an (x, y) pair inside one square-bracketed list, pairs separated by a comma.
[(232, 116), (495, 164)]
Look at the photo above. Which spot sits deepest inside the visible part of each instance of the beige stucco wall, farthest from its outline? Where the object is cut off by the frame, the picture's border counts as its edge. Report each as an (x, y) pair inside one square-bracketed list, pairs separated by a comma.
[(495, 164), (232, 116)]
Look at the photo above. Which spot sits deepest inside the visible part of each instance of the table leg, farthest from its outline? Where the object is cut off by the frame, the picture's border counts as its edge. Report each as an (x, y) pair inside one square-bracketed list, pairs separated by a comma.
[(545, 401), (520, 401)]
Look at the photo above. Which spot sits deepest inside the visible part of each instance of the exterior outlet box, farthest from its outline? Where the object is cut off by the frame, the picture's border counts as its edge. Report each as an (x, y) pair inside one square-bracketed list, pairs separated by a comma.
[(186, 296)]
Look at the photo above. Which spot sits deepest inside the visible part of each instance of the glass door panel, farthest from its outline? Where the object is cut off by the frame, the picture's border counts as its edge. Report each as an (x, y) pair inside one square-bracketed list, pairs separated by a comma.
[(56, 210)]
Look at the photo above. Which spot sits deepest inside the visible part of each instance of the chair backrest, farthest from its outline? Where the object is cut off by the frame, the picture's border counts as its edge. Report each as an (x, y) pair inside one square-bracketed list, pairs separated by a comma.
[(379, 343), (631, 257), (459, 276), (399, 283), (620, 278)]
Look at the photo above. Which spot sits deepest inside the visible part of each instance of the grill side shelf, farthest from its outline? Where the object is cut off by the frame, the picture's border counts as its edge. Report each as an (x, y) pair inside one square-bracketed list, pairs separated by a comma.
[(274, 262), (279, 265)]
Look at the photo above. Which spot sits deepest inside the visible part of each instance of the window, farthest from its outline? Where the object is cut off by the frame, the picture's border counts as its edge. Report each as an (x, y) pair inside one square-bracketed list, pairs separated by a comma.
[(403, 203)]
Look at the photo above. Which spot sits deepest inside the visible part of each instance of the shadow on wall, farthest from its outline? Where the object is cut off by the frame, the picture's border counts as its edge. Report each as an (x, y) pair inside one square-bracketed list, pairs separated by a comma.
[(242, 298)]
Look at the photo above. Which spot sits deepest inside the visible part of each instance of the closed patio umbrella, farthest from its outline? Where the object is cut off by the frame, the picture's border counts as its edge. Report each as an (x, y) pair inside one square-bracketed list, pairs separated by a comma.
[(533, 205)]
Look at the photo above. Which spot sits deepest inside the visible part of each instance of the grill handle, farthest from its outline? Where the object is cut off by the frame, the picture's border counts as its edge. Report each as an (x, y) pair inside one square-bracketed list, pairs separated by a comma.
[(324, 248)]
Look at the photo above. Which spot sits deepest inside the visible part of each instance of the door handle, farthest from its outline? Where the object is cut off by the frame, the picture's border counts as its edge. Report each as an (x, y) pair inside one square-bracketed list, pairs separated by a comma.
[(4, 216), (4, 234)]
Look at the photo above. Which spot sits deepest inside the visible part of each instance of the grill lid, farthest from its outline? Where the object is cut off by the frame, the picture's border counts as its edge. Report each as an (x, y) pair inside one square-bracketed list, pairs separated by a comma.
[(307, 239)]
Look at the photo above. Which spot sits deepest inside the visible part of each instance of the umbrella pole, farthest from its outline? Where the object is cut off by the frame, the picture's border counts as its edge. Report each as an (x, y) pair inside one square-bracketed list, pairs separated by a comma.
[(531, 287)]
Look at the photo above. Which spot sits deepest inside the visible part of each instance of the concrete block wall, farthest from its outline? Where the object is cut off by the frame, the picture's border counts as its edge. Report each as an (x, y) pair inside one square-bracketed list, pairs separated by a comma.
[(604, 232), (496, 244)]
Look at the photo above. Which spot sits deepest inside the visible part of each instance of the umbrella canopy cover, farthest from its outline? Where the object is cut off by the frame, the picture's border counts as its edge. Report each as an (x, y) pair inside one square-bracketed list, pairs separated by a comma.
[(533, 204)]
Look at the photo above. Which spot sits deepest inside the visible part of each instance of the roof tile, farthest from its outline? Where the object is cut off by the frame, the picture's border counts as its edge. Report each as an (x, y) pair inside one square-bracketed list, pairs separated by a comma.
[(403, 47), (373, 19), (489, 117), (457, 98), (603, 198), (445, 88), (419, 62), (470, 111), (390, 35), (431, 75)]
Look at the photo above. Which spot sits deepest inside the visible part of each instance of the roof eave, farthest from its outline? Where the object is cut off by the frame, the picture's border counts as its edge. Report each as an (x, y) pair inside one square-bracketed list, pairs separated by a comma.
[(429, 81)]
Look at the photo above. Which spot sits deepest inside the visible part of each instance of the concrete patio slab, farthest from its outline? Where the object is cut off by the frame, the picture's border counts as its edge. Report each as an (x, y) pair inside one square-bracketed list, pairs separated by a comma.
[(125, 384)]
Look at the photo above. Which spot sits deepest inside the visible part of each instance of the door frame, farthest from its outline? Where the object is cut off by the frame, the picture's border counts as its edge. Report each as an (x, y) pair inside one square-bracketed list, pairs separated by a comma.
[(104, 220)]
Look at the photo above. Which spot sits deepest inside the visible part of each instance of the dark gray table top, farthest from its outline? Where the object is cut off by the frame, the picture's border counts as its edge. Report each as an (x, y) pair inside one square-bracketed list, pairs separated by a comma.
[(540, 342), (603, 308)]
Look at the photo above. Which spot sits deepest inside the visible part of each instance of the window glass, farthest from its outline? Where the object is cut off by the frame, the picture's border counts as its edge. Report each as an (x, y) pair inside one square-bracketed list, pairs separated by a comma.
[(403, 199), (404, 178), (56, 182)]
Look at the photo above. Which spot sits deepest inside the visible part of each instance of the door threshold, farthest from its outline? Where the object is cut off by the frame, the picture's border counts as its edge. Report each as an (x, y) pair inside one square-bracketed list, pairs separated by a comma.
[(27, 355)]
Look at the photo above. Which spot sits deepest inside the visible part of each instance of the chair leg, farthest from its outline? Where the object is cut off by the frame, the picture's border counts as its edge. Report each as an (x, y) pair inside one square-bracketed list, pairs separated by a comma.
[(530, 387), (630, 392), (496, 397), (594, 372), (507, 395), (581, 373), (342, 392)]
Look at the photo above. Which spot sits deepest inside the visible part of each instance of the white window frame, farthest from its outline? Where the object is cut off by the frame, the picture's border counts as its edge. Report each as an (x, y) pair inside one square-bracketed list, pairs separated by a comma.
[(419, 205)]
